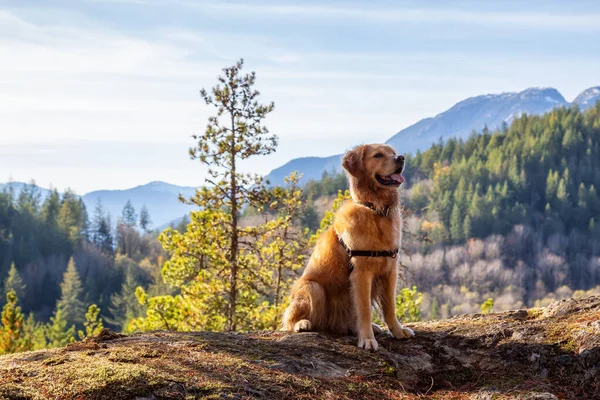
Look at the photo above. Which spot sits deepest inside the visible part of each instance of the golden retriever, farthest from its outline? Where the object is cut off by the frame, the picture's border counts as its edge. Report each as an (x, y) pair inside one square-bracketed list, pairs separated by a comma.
[(336, 291)]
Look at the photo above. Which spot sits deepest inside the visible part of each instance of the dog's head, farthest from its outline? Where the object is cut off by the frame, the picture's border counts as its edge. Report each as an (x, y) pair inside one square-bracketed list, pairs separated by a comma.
[(376, 164)]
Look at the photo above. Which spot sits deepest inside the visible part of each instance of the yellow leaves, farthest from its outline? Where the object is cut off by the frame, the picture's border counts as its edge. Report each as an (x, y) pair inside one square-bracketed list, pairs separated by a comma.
[(487, 306), (440, 170), (407, 304), (428, 226)]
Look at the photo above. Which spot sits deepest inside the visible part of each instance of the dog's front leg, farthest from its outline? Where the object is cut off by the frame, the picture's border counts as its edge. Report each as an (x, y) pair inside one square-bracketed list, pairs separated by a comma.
[(388, 305), (361, 295)]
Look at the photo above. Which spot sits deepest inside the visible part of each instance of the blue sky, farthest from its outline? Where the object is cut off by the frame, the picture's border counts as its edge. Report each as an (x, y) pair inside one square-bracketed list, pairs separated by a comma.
[(103, 94)]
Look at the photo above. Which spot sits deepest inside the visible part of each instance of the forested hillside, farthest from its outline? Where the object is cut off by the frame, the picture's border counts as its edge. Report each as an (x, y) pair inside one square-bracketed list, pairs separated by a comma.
[(530, 192), (107, 260)]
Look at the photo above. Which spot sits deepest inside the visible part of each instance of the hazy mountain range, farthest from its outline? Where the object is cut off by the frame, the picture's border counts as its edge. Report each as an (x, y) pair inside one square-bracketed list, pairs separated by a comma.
[(160, 198), (459, 121), (491, 110)]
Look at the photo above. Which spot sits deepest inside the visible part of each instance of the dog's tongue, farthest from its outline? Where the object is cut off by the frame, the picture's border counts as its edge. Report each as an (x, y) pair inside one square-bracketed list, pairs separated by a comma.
[(397, 177)]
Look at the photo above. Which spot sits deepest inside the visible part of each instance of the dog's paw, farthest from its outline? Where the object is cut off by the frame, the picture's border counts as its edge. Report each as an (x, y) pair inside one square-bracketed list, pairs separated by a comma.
[(402, 333), (368, 344), (377, 329), (303, 325)]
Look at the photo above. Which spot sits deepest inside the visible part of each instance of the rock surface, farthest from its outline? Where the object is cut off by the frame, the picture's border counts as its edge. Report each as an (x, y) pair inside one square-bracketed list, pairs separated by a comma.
[(550, 353)]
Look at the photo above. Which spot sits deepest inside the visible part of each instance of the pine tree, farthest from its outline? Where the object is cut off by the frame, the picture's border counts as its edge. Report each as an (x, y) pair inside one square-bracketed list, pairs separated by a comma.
[(57, 332), (456, 224), (128, 214), (561, 193), (34, 334), (14, 282), (467, 227), (93, 324), (582, 196), (551, 185), (476, 205), (51, 208), (70, 304), (29, 198), (460, 195), (101, 229), (234, 134), (11, 331), (593, 201), (72, 218), (145, 221), (124, 305)]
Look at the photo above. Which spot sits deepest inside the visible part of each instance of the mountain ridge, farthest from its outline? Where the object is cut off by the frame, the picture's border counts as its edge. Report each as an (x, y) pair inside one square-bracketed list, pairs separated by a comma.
[(459, 121), (161, 198)]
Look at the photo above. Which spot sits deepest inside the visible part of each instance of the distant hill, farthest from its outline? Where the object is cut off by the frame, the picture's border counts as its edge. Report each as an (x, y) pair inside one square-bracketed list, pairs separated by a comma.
[(588, 98), (311, 168), (491, 110), (160, 198)]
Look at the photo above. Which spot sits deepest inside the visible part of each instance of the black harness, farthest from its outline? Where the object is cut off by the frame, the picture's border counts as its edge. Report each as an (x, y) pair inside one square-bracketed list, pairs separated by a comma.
[(368, 253)]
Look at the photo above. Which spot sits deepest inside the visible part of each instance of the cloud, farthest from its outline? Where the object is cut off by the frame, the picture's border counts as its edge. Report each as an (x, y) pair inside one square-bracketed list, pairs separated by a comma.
[(529, 15), (72, 82), (352, 13)]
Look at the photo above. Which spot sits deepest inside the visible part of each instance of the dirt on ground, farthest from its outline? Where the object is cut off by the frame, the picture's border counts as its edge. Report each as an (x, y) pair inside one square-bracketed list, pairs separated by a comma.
[(546, 353)]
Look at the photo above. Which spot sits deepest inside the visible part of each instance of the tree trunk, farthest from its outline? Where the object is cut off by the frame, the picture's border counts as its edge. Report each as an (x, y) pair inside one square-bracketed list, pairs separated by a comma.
[(234, 234)]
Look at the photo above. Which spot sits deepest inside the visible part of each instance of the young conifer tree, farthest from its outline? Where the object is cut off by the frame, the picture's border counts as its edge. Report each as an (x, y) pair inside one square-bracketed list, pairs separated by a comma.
[(14, 282), (11, 330), (234, 134), (73, 309)]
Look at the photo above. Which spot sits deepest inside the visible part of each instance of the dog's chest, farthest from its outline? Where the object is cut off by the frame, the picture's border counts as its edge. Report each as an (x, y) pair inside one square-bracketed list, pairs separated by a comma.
[(389, 229), (373, 232)]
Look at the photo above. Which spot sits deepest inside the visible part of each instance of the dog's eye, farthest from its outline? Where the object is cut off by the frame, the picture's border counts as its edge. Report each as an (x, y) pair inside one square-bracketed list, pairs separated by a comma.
[(378, 155)]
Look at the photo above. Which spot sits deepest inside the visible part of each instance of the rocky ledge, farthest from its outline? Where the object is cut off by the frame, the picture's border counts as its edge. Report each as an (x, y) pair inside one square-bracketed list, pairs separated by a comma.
[(549, 353)]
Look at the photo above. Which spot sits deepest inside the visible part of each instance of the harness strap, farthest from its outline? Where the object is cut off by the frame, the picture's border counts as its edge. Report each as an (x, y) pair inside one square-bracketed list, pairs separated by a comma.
[(366, 253)]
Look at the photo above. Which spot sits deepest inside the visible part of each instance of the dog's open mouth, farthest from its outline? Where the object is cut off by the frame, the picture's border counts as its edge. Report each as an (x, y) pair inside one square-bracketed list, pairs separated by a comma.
[(395, 179)]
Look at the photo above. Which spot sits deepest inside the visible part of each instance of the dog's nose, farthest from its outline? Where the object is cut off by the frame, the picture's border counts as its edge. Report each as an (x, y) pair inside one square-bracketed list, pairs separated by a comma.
[(400, 159)]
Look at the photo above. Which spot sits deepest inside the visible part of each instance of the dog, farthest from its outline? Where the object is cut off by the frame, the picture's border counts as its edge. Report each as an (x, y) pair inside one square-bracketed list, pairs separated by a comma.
[(354, 263)]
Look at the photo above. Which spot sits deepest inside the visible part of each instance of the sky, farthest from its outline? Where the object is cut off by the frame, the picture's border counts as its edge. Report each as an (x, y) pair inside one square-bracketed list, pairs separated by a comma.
[(104, 94)]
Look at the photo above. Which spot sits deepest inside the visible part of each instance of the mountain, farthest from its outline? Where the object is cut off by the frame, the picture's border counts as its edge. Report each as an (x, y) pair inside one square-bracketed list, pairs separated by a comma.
[(160, 198), (311, 168), (588, 97), (491, 110)]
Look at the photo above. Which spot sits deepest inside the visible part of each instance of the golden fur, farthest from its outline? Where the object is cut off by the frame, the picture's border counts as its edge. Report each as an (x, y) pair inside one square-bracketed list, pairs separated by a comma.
[(328, 297)]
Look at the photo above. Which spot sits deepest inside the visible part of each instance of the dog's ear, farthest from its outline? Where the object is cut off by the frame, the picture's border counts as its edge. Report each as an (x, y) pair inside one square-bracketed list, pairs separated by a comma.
[(353, 160)]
